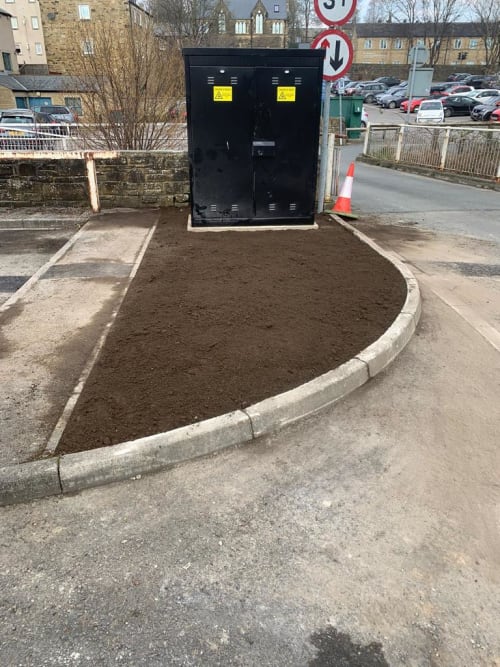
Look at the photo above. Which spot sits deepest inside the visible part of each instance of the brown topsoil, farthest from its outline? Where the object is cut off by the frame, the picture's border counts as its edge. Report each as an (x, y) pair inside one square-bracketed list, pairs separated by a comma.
[(214, 322)]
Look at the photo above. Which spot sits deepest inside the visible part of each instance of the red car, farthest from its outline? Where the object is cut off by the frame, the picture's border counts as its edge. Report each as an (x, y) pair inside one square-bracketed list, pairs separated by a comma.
[(414, 106), (495, 116)]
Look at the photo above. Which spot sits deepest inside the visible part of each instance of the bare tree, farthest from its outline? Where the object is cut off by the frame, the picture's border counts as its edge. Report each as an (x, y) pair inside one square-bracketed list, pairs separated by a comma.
[(187, 21), (132, 80), (377, 11), (438, 15), (487, 15)]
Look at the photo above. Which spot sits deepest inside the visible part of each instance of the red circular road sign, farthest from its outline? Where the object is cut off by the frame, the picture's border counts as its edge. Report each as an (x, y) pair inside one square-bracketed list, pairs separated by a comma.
[(334, 12), (339, 53)]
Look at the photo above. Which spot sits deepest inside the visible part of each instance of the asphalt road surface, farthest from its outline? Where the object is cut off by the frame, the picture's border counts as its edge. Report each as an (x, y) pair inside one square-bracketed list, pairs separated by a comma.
[(365, 535)]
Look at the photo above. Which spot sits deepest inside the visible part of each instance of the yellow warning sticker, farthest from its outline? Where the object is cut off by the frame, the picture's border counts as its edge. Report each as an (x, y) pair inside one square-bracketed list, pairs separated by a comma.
[(223, 93), (286, 94)]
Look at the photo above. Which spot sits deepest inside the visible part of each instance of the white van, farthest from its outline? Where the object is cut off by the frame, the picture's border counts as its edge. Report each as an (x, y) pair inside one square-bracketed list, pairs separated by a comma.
[(430, 111)]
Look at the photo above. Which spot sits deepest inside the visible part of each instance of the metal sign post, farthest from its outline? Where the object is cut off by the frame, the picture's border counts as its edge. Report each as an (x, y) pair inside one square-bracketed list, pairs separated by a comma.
[(338, 60), (418, 55)]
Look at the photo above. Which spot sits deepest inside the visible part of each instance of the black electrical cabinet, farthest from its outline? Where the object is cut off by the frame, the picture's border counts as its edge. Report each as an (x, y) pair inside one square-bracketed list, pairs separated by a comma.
[(253, 120)]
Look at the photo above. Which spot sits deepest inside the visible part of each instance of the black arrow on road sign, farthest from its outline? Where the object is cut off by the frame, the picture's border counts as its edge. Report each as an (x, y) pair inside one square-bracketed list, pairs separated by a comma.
[(336, 61)]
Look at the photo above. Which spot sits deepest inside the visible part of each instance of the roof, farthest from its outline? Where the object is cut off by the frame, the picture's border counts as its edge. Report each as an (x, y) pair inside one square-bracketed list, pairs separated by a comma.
[(417, 29), (243, 9), (28, 83)]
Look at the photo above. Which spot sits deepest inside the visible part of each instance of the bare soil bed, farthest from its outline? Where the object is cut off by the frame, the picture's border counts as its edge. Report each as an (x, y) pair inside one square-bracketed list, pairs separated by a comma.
[(214, 322)]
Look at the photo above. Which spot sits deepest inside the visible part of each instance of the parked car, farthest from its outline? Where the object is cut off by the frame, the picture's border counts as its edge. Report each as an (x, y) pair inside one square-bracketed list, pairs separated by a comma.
[(484, 110), (430, 111), (387, 80), (454, 89), (395, 99), (368, 90), (61, 113), (495, 116), (388, 91), (458, 76), (458, 105), (481, 81), (479, 94), (24, 129), (364, 117), (439, 89), (349, 90), (414, 104)]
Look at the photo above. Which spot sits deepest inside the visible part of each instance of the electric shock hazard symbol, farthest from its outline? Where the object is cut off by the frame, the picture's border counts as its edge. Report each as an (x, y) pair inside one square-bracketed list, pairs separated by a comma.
[(223, 93), (286, 93)]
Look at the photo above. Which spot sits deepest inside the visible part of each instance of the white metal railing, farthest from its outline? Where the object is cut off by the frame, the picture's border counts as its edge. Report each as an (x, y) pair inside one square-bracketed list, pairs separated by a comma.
[(463, 150), (82, 137)]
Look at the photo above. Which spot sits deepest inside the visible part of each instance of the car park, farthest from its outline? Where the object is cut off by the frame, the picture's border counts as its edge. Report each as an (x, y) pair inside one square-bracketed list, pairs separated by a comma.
[(483, 111), (454, 89), (430, 111), (414, 103), (458, 105)]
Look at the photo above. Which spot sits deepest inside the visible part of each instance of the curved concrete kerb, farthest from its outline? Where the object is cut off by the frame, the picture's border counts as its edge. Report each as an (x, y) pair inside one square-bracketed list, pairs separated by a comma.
[(74, 472)]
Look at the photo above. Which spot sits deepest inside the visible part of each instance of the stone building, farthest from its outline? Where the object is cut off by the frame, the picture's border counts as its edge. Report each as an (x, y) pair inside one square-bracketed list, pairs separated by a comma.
[(61, 19), (247, 23), (27, 31), (8, 64)]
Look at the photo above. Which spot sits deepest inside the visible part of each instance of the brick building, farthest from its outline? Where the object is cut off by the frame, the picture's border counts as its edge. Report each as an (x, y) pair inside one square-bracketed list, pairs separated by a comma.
[(27, 31), (246, 23), (8, 64)]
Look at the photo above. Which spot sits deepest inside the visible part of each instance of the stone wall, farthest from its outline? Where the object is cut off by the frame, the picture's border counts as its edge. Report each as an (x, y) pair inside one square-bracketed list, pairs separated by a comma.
[(133, 179)]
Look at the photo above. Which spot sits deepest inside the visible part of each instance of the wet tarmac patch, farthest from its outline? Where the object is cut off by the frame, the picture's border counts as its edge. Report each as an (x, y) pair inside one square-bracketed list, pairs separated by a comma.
[(336, 649), (472, 269), (88, 270), (11, 284)]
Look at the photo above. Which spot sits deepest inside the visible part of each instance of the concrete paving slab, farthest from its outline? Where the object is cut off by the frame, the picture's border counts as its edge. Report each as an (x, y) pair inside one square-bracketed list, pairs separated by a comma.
[(48, 334)]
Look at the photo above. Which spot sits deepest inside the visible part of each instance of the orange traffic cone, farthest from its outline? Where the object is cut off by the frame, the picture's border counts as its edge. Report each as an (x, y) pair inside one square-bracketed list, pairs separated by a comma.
[(343, 204)]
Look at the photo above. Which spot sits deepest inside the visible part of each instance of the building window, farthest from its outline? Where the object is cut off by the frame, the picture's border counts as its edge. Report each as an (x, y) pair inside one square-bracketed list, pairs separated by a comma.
[(473, 43), (38, 49), (88, 47), (276, 9), (84, 12), (240, 27), (368, 43), (457, 44), (420, 42), (34, 23), (398, 44), (383, 43), (6, 1), (14, 23), (277, 28), (222, 23), (75, 104), (7, 62), (19, 49), (259, 24)]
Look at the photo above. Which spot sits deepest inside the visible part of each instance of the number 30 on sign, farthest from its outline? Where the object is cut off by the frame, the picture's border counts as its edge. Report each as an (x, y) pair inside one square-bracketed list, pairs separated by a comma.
[(334, 12)]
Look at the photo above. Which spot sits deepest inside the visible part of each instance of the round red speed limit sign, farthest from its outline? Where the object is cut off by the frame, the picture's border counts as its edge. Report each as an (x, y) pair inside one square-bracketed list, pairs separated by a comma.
[(334, 12)]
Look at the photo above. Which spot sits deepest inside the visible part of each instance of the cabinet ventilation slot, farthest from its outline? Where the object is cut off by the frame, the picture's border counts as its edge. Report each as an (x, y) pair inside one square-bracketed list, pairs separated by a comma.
[(293, 207), (234, 80), (272, 207), (211, 80), (298, 80), (213, 207), (234, 208), (275, 80)]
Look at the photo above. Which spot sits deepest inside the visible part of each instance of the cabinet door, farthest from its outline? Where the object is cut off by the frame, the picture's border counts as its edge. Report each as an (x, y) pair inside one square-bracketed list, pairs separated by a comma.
[(220, 143), (285, 141)]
